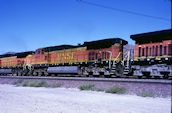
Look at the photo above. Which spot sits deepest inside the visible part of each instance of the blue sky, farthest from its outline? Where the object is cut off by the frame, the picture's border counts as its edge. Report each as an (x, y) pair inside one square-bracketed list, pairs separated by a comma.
[(31, 24)]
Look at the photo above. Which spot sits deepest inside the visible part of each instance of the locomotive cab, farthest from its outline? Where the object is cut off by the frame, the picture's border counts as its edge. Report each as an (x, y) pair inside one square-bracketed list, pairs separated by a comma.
[(40, 58), (106, 56)]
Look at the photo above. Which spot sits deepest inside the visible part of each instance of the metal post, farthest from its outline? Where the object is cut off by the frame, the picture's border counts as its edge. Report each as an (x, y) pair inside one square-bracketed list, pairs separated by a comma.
[(171, 14)]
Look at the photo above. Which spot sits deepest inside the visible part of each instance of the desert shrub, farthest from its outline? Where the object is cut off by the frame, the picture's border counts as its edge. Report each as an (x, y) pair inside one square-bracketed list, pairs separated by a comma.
[(17, 82), (98, 89), (35, 83), (86, 87), (54, 85), (25, 83), (116, 89), (146, 94)]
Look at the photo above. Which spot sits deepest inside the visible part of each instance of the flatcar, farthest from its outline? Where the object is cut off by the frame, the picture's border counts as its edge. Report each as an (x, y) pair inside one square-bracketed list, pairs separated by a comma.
[(153, 54)]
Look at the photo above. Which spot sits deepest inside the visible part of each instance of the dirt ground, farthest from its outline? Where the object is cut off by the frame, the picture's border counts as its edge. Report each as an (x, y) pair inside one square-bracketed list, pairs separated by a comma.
[(71, 100)]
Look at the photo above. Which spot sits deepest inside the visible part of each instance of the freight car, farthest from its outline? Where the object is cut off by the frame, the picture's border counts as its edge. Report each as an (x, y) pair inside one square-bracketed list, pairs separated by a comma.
[(98, 58), (153, 54)]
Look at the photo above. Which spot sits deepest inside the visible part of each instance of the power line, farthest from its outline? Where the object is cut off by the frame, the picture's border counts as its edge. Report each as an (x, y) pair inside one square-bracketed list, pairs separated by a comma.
[(122, 10)]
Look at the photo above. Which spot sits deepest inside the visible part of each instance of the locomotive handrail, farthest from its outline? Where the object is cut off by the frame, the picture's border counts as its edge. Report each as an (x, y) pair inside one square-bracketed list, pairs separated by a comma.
[(117, 57), (127, 57), (110, 58)]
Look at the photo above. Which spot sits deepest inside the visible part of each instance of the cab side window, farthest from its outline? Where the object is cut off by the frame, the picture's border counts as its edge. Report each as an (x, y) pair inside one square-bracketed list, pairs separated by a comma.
[(37, 52)]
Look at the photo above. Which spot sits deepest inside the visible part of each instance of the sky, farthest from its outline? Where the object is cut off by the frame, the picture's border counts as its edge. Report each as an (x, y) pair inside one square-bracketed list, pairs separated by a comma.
[(26, 25)]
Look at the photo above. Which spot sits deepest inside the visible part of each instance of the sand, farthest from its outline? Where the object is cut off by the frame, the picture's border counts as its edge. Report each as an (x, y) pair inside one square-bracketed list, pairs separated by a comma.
[(72, 100)]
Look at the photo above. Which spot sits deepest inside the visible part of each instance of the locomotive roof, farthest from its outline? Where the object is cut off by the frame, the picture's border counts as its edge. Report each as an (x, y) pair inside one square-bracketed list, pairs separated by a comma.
[(156, 36), (23, 54), (7, 55), (105, 43), (90, 45), (60, 47), (19, 55)]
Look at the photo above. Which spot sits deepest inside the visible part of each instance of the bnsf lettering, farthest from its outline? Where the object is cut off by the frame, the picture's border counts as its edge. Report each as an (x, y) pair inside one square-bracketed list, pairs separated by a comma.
[(65, 56)]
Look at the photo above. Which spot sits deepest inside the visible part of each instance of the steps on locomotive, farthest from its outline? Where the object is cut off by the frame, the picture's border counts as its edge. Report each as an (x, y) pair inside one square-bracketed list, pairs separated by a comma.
[(126, 70), (113, 70)]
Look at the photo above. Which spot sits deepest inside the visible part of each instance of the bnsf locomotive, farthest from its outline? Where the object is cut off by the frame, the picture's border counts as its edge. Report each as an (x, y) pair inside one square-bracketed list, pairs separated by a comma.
[(153, 54), (105, 58), (97, 58)]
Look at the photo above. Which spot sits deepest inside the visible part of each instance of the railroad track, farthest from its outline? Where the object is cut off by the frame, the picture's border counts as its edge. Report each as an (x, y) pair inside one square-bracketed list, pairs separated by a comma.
[(129, 80)]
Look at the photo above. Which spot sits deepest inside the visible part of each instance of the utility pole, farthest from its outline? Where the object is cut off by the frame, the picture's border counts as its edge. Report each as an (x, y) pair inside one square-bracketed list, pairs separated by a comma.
[(171, 14)]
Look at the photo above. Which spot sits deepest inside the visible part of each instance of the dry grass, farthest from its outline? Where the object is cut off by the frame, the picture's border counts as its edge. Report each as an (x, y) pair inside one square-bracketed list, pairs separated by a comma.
[(36, 84)]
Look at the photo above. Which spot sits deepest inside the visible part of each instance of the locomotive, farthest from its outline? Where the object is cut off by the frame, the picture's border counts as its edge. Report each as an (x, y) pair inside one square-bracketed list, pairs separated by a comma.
[(153, 54), (95, 58), (102, 58)]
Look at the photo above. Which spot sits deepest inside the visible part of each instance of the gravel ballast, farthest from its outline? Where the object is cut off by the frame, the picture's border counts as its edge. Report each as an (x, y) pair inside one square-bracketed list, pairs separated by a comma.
[(72, 100), (132, 87)]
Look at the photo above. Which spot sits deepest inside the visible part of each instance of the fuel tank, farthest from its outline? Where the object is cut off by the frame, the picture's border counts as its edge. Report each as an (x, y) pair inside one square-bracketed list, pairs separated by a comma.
[(63, 69), (5, 71)]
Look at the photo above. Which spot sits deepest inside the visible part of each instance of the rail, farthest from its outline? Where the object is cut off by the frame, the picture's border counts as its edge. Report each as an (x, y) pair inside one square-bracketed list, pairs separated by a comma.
[(156, 81)]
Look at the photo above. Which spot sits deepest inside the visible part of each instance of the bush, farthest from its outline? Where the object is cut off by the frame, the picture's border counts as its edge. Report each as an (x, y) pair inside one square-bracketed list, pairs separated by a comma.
[(86, 87), (55, 85), (25, 83), (116, 89), (17, 82), (146, 94), (98, 89), (35, 83)]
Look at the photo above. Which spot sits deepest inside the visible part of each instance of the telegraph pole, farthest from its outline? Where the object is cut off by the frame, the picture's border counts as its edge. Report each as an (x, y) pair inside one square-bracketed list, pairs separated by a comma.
[(171, 14)]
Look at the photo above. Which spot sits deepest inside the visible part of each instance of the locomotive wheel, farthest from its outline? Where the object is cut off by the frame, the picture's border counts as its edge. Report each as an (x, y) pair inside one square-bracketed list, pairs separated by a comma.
[(165, 75), (119, 70), (139, 77), (107, 76)]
